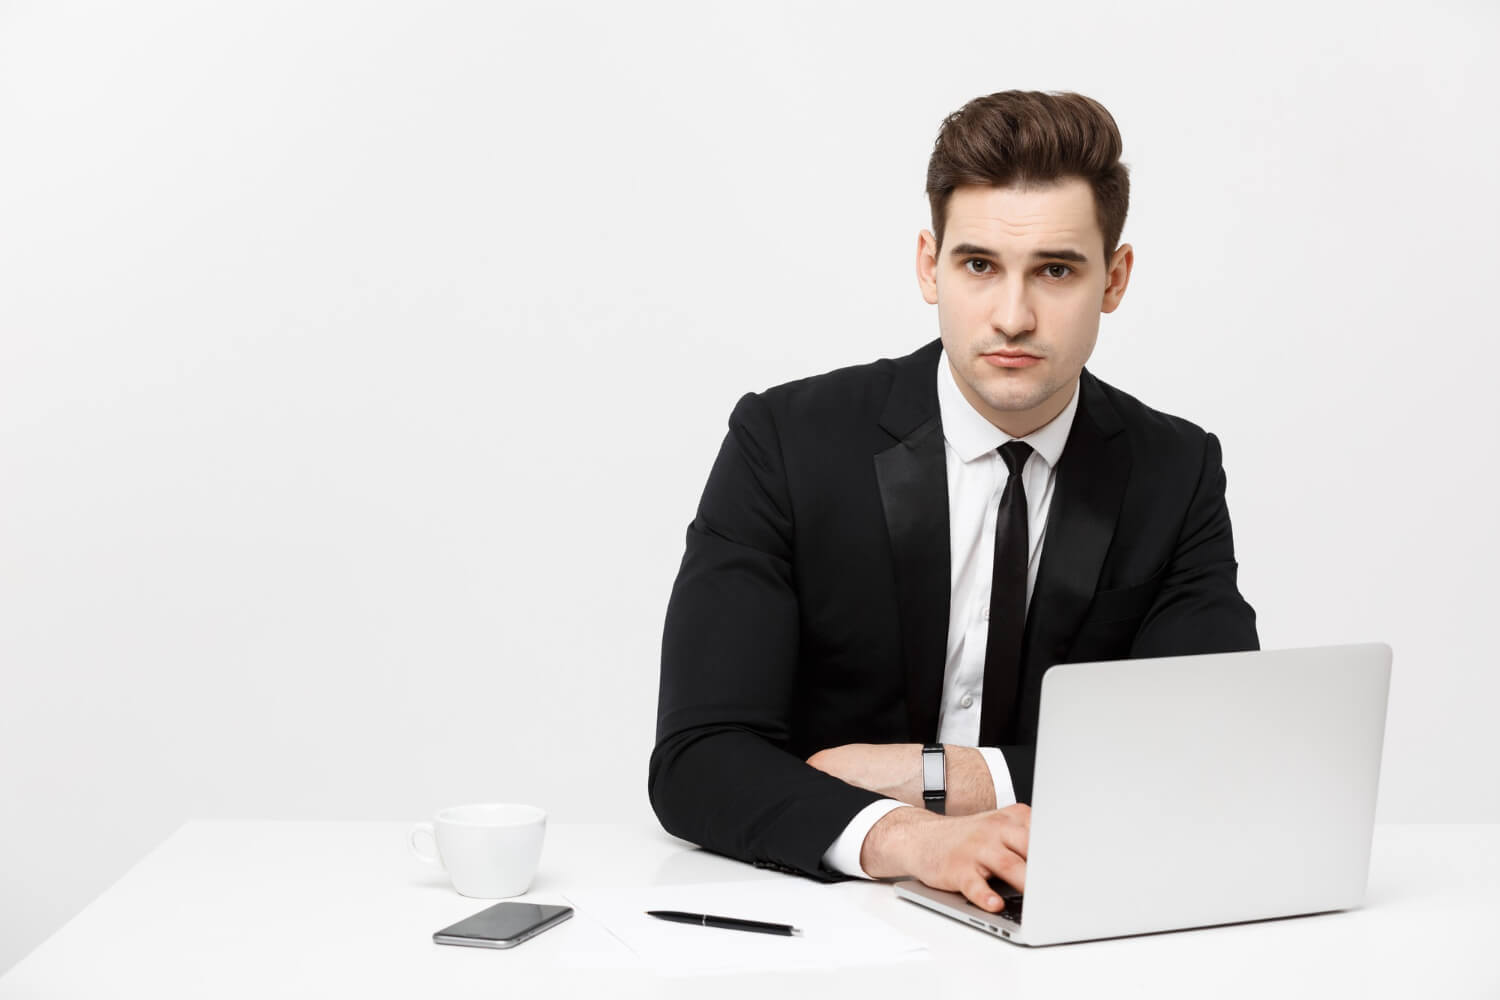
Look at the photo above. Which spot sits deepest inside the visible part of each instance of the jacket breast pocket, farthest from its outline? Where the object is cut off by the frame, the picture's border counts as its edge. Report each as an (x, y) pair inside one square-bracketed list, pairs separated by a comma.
[(1124, 603)]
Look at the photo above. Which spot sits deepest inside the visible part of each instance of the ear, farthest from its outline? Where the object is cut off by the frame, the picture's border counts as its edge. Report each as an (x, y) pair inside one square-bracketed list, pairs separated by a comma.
[(1119, 276), (927, 250)]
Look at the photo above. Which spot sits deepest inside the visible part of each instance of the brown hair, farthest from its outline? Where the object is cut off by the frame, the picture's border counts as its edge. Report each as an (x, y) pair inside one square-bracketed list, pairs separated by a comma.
[(1031, 137)]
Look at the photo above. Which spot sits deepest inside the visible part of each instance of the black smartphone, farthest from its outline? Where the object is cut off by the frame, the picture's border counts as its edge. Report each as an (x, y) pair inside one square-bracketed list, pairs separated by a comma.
[(503, 925)]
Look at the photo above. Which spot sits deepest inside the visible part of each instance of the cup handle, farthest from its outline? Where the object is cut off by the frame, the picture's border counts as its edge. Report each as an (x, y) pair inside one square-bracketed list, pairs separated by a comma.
[(419, 831)]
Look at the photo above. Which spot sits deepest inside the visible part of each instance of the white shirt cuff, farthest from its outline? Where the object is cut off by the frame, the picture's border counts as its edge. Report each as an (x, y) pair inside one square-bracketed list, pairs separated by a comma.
[(843, 856), (1005, 792)]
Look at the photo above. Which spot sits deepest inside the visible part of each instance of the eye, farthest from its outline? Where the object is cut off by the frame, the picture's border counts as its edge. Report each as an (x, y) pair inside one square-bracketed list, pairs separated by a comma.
[(984, 264), (1065, 268)]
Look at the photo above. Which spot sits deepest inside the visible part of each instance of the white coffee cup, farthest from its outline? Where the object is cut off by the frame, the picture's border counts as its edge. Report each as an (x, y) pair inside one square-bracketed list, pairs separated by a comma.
[(491, 850)]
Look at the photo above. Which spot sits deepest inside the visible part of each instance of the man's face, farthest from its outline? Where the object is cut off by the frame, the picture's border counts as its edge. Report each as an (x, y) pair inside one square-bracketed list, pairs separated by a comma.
[(1019, 286)]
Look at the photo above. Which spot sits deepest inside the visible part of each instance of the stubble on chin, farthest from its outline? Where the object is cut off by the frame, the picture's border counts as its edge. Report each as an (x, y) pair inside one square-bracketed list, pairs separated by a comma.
[(1004, 392)]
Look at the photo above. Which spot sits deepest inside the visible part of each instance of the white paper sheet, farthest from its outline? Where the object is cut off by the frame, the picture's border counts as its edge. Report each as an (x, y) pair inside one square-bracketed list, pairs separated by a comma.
[(836, 933)]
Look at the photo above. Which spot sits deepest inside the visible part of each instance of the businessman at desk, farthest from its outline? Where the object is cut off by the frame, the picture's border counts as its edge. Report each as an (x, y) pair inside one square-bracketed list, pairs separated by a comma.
[(887, 558)]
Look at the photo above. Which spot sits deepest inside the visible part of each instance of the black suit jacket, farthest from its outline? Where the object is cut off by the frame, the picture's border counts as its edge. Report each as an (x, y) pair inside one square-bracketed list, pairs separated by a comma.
[(811, 607)]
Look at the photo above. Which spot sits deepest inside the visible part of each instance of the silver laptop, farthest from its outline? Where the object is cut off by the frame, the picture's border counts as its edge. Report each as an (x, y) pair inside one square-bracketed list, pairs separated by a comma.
[(1192, 791)]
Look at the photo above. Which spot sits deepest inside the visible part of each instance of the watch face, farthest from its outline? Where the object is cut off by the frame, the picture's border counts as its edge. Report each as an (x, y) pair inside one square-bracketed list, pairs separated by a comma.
[(933, 770)]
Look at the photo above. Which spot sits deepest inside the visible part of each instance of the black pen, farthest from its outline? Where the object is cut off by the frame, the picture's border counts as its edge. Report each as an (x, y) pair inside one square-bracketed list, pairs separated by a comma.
[(727, 923)]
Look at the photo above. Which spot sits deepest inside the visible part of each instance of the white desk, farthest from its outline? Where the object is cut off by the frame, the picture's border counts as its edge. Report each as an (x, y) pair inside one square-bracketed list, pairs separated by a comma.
[(258, 909)]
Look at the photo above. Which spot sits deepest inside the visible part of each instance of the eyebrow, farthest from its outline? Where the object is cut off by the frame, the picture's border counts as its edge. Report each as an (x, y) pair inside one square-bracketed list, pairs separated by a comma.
[(974, 250)]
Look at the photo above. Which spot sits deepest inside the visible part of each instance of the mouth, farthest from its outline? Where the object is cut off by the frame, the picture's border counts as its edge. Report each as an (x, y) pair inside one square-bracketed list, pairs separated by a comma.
[(1010, 359)]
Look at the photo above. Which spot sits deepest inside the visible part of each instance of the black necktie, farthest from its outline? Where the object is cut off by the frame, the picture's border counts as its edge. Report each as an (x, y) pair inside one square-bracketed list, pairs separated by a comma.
[(1002, 650)]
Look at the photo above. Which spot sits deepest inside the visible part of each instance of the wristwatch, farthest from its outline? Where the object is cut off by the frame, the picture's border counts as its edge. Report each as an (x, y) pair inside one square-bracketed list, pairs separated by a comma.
[(935, 777)]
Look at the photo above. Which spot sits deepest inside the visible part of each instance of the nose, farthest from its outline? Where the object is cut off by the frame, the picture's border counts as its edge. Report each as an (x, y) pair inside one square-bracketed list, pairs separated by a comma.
[(1010, 309)]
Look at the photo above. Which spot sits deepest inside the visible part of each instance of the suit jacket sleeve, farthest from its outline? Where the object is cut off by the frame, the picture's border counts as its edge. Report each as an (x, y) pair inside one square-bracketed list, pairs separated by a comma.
[(1199, 608), (721, 774)]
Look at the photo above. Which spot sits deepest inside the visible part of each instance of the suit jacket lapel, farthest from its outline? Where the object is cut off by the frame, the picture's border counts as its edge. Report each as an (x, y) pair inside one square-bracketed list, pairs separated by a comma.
[(1091, 478), (913, 479)]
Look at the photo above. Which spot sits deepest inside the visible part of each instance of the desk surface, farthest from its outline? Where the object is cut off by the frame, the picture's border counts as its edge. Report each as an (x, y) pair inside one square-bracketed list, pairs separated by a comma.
[(231, 909)]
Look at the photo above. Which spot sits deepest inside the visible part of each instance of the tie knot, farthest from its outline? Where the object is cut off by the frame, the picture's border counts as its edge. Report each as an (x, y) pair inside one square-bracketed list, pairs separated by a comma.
[(1015, 454)]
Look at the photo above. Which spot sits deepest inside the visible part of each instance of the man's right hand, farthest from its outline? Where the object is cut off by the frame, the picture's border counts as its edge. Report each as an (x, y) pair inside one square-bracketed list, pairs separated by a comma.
[(956, 853)]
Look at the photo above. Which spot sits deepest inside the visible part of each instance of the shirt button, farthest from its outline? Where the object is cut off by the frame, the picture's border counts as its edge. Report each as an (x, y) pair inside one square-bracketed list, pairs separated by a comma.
[(967, 701)]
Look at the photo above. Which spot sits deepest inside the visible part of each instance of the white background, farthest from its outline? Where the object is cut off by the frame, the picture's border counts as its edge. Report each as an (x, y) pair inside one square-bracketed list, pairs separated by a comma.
[(361, 365)]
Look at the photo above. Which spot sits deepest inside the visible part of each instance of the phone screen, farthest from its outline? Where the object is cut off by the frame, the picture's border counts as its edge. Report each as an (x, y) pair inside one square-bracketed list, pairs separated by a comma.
[(504, 925)]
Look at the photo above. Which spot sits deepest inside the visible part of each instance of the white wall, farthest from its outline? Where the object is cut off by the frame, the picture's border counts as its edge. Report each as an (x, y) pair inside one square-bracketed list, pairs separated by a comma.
[(361, 364)]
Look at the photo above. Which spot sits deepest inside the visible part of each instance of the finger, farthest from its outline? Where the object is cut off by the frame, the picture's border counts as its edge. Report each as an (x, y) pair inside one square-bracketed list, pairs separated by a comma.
[(1015, 874), (1013, 836), (1018, 814), (1018, 839), (1006, 866), (976, 889)]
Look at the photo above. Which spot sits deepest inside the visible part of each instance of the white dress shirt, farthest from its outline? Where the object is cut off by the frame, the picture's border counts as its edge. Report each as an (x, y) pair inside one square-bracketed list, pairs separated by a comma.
[(976, 479)]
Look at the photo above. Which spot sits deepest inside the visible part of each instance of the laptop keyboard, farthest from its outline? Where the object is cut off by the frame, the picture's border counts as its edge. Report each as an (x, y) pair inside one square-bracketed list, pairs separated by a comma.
[(1012, 896)]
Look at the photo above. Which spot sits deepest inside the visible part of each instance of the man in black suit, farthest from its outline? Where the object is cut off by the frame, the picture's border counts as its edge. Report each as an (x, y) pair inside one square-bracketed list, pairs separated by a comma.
[(889, 557)]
